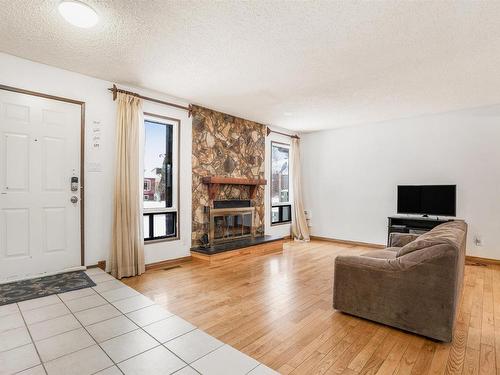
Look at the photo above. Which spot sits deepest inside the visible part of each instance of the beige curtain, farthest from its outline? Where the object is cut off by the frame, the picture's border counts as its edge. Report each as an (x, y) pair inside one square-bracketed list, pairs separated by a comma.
[(300, 230), (127, 253)]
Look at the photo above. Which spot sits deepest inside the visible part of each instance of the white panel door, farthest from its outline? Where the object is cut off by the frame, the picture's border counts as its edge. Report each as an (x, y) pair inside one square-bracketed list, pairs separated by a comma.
[(39, 154)]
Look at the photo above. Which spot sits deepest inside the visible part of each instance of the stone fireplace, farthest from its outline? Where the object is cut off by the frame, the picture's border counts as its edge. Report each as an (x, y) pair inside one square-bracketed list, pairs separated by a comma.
[(228, 193), (228, 166)]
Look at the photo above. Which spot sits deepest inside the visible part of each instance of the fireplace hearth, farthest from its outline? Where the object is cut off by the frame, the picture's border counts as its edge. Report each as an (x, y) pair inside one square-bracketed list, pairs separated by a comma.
[(257, 245)]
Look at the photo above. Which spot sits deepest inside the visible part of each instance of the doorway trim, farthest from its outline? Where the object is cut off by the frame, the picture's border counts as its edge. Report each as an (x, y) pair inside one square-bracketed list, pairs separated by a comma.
[(82, 154)]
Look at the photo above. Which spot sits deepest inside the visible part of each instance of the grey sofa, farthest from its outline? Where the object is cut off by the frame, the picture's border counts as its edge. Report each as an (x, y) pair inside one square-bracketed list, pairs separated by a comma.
[(414, 285)]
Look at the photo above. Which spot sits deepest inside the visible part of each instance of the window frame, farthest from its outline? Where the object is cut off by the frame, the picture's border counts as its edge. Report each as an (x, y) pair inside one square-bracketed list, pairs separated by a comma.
[(280, 205), (175, 208), (152, 239), (280, 214)]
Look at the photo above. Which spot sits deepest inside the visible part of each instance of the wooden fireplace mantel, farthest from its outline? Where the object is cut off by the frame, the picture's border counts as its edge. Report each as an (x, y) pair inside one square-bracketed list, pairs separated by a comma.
[(214, 183)]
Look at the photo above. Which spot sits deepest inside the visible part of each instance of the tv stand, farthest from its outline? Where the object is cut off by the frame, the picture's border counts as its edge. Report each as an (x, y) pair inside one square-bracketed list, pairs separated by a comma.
[(413, 225)]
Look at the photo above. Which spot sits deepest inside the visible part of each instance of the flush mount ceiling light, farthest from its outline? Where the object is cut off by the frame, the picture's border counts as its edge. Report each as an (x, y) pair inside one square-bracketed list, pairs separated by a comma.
[(78, 14)]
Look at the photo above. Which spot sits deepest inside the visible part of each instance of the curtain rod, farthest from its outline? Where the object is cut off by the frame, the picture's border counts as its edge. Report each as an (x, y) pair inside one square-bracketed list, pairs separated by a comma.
[(115, 90), (269, 131)]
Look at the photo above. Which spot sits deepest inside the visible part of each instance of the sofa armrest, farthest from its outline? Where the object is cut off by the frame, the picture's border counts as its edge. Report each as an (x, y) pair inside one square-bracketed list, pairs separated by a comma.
[(401, 239), (376, 264)]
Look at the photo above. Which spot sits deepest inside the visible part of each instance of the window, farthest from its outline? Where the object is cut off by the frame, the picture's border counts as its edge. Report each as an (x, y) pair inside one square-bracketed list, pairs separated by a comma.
[(281, 208), (160, 178)]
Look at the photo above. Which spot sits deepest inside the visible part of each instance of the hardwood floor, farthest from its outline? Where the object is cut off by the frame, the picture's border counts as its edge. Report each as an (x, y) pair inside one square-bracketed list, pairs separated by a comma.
[(277, 308)]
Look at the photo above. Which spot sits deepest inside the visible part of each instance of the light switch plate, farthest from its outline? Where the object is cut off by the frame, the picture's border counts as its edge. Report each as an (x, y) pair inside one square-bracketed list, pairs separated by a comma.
[(94, 167)]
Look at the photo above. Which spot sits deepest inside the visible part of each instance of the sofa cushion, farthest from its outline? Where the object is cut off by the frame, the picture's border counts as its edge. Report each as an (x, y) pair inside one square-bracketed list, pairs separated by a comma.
[(394, 249), (446, 233), (401, 239)]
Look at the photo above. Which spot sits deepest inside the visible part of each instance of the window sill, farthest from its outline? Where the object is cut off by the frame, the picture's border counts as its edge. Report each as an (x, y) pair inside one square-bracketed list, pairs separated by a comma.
[(280, 224), (169, 239)]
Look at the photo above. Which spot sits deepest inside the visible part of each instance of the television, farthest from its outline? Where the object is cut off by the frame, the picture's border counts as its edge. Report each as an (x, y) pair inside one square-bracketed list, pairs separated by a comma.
[(427, 199)]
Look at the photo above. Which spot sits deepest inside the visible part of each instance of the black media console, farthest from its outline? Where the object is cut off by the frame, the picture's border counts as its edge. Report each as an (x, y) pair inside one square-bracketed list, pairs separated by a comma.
[(414, 225)]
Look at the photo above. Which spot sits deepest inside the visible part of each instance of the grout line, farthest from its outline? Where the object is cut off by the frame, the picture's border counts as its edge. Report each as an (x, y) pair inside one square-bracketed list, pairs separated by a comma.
[(88, 308), (120, 299), (74, 351), (11, 329), (92, 338), (64, 303), (115, 364), (189, 364), (40, 307), (253, 368), (168, 317), (192, 368), (204, 355), (139, 328), (120, 335), (142, 328), (101, 321), (53, 294), (57, 334), (138, 354), (104, 369), (32, 342), (32, 367)]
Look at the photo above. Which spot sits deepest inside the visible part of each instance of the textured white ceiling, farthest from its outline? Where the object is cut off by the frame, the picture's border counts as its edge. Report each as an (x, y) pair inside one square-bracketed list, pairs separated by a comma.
[(299, 65)]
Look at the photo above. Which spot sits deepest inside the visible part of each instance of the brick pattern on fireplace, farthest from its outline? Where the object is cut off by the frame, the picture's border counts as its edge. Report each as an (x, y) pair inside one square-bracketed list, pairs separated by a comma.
[(229, 146)]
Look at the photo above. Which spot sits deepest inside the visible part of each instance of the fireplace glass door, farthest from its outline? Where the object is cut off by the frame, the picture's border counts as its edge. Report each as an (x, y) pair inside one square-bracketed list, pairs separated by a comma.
[(226, 225)]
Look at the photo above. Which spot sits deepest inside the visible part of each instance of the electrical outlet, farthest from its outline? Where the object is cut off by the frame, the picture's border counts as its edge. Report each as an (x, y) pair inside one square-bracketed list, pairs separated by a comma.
[(478, 241)]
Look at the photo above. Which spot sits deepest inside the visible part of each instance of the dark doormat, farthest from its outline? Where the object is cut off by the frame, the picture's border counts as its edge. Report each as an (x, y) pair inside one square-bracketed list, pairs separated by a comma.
[(18, 291)]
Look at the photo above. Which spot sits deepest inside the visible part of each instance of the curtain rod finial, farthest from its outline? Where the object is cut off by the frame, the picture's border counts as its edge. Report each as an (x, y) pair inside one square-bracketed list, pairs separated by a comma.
[(268, 130), (115, 91)]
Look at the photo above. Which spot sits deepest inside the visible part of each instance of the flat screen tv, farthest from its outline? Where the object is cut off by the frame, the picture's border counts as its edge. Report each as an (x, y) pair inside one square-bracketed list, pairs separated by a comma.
[(439, 200)]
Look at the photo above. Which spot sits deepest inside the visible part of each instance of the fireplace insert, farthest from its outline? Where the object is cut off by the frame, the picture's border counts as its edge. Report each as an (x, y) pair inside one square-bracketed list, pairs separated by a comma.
[(233, 203), (227, 224)]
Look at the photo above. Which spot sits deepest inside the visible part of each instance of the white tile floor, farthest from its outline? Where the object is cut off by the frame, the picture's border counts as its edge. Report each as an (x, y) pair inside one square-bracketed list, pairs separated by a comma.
[(110, 329)]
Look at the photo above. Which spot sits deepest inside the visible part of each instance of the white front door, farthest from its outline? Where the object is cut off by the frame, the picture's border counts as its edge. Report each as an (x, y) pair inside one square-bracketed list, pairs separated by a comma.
[(39, 154)]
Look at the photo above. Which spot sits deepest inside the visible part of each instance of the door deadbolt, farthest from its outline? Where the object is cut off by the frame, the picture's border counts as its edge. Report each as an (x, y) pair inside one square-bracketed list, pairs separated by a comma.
[(74, 183), (74, 199)]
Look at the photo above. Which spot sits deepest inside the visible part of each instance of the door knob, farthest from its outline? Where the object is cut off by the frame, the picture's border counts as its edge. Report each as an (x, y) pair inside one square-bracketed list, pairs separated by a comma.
[(74, 199)]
